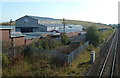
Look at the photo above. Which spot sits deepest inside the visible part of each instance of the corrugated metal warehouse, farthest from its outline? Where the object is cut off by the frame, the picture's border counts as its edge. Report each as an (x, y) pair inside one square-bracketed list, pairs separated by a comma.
[(37, 24)]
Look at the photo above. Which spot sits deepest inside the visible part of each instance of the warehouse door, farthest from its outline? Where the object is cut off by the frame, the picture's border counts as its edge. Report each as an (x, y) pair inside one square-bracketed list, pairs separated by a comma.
[(24, 30)]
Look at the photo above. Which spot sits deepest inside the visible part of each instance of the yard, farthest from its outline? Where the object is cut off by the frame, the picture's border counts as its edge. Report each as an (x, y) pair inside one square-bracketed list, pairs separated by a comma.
[(38, 64)]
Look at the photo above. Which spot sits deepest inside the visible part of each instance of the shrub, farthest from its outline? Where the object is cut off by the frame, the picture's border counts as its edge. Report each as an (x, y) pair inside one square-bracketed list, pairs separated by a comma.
[(56, 61), (41, 45), (64, 39), (30, 49), (93, 35)]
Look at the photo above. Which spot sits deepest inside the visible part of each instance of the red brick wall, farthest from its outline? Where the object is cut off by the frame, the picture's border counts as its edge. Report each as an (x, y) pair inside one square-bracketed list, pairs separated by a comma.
[(45, 35), (19, 41), (72, 34), (4, 35)]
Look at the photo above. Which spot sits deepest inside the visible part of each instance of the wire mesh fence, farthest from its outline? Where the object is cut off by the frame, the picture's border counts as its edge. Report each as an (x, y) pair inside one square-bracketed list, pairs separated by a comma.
[(65, 58), (74, 54)]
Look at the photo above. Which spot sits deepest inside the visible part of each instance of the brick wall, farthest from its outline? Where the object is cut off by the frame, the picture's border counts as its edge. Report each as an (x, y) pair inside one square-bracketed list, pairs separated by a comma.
[(19, 41), (4, 35), (70, 34)]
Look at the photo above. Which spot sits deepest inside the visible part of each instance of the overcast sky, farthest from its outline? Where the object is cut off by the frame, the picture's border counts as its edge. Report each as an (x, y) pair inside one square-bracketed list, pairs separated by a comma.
[(103, 11)]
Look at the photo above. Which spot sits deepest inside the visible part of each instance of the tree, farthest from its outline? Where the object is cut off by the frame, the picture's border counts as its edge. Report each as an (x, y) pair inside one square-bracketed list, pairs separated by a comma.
[(93, 36), (64, 39)]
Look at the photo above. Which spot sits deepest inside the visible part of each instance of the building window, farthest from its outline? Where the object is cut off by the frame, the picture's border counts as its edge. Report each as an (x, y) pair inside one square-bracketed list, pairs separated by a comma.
[(26, 20)]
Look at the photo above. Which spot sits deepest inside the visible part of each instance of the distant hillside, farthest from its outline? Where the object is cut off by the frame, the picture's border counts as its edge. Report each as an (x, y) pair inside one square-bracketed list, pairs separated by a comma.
[(85, 24)]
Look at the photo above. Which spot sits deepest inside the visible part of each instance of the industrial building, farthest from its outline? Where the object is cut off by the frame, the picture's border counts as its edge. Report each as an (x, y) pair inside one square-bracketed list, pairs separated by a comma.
[(37, 24), (29, 29), (18, 39)]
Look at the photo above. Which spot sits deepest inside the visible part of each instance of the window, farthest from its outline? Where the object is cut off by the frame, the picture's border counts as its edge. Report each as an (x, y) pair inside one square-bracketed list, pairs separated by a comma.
[(26, 30), (70, 26), (26, 20)]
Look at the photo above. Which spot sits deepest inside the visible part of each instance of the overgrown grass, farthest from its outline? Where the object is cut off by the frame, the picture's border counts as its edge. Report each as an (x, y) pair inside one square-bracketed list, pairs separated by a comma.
[(39, 65), (105, 35), (80, 65), (86, 24)]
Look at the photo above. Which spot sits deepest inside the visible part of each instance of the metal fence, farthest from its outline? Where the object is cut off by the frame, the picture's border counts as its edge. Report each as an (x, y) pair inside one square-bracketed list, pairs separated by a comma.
[(66, 58), (74, 54)]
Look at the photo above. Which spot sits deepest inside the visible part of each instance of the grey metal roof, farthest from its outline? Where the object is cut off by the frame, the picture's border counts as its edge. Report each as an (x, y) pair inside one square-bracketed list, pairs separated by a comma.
[(53, 25), (31, 37), (43, 18), (69, 30), (5, 27), (36, 33), (17, 34), (12, 28), (61, 25)]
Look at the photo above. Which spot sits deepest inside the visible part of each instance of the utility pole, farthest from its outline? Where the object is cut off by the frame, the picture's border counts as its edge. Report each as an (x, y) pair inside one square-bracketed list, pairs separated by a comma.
[(13, 42), (63, 25), (13, 47)]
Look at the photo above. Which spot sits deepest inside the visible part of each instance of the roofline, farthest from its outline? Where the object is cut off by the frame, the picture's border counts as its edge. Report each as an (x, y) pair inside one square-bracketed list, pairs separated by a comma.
[(42, 17), (5, 28), (17, 36), (25, 16), (34, 18)]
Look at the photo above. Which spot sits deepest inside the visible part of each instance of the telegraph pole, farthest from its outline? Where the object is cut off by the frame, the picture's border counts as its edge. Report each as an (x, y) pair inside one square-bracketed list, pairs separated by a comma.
[(13, 44), (63, 25)]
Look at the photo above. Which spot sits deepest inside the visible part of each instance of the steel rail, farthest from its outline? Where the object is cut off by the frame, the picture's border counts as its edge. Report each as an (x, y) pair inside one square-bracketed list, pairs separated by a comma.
[(106, 59), (114, 58)]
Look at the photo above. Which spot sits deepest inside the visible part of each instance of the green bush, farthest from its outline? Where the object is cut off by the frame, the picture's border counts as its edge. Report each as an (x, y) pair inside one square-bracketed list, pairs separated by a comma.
[(93, 36), (41, 45), (48, 43), (30, 49), (64, 39)]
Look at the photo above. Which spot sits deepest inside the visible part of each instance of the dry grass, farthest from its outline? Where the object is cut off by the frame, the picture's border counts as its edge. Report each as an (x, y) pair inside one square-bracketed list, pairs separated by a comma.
[(67, 49), (79, 67), (86, 24)]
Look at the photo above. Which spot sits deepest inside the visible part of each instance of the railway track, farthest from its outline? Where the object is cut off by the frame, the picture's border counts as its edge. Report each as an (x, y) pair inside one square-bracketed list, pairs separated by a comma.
[(118, 54), (106, 65), (109, 63)]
